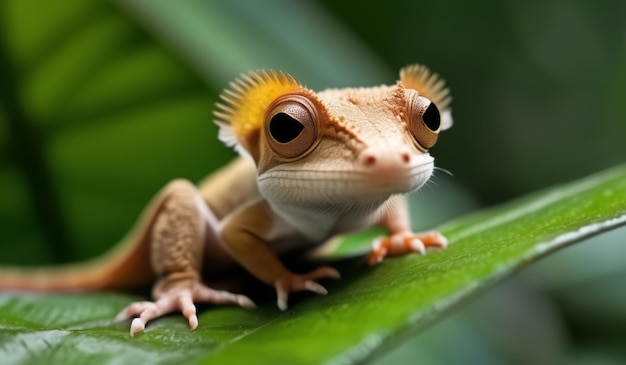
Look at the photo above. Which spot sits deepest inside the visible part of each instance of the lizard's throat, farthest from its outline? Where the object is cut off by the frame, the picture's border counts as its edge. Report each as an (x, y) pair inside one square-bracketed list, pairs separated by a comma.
[(318, 220)]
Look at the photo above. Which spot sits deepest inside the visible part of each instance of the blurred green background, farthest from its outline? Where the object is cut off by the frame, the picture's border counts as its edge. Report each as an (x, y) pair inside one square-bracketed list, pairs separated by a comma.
[(104, 102)]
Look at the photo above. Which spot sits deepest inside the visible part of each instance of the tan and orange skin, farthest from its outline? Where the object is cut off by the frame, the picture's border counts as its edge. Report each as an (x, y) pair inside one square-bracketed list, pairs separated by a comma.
[(313, 165)]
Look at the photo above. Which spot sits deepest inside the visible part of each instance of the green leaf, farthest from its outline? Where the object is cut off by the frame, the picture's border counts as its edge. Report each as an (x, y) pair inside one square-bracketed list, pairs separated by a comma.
[(360, 316)]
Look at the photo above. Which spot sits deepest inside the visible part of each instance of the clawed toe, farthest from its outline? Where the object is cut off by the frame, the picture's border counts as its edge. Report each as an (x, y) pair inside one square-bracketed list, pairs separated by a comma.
[(142, 311), (403, 243), (178, 300), (137, 326), (290, 283)]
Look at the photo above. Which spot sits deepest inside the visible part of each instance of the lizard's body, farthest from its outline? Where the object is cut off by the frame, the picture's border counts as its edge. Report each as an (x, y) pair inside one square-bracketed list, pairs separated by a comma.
[(313, 165)]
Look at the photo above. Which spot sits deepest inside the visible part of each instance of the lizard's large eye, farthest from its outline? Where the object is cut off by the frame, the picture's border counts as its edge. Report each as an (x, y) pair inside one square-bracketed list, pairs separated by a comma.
[(425, 121), (291, 126)]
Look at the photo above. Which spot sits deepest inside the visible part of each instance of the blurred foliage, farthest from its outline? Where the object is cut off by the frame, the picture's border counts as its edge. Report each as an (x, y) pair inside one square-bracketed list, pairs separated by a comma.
[(97, 118), (101, 103)]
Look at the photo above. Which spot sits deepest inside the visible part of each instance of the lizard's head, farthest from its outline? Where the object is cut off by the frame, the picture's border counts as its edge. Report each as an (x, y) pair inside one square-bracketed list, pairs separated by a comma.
[(345, 146)]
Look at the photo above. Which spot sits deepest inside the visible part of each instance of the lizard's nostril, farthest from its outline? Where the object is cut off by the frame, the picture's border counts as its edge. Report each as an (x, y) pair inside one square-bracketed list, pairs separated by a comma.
[(406, 157), (385, 159), (369, 160)]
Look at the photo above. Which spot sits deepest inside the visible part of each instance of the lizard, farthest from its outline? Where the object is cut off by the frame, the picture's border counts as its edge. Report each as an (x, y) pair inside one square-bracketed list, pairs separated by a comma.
[(311, 165)]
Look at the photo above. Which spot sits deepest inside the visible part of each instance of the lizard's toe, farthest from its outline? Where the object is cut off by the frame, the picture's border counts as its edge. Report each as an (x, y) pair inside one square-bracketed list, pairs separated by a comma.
[(179, 298), (186, 306), (137, 326), (291, 283), (143, 312), (403, 243), (205, 294)]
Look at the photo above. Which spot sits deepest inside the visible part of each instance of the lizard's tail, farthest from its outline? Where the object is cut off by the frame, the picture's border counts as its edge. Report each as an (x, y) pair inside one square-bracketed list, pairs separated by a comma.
[(123, 268)]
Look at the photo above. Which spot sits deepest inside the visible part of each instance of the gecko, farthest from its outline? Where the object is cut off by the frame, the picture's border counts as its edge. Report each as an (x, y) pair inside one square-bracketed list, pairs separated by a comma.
[(311, 165)]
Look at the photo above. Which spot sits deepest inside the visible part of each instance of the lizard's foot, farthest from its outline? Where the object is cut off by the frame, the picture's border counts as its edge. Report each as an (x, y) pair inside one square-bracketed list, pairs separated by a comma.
[(180, 297), (403, 243), (291, 283)]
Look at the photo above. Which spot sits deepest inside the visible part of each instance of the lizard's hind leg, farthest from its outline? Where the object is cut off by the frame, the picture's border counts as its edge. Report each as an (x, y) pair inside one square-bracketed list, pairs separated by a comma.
[(178, 241)]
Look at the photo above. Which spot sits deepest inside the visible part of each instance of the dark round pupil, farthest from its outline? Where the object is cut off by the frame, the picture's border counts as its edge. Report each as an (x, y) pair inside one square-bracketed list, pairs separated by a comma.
[(431, 117), (284, 128)]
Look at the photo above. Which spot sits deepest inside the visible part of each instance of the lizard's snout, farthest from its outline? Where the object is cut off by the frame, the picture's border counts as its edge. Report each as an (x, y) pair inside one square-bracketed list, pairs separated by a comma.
[(396, 169), (385, 161)]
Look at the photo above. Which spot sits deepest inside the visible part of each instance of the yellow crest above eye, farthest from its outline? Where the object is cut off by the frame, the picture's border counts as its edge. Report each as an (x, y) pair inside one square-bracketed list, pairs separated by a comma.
[(241, 113), (430, 86)]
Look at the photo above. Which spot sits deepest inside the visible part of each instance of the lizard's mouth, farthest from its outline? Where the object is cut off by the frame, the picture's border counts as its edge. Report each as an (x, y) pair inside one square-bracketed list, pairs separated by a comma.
[(302, 186)]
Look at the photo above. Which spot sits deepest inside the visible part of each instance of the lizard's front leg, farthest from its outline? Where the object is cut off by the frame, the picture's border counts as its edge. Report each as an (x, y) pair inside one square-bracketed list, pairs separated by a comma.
[(245, 236), (178, 240), (402, 240)]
